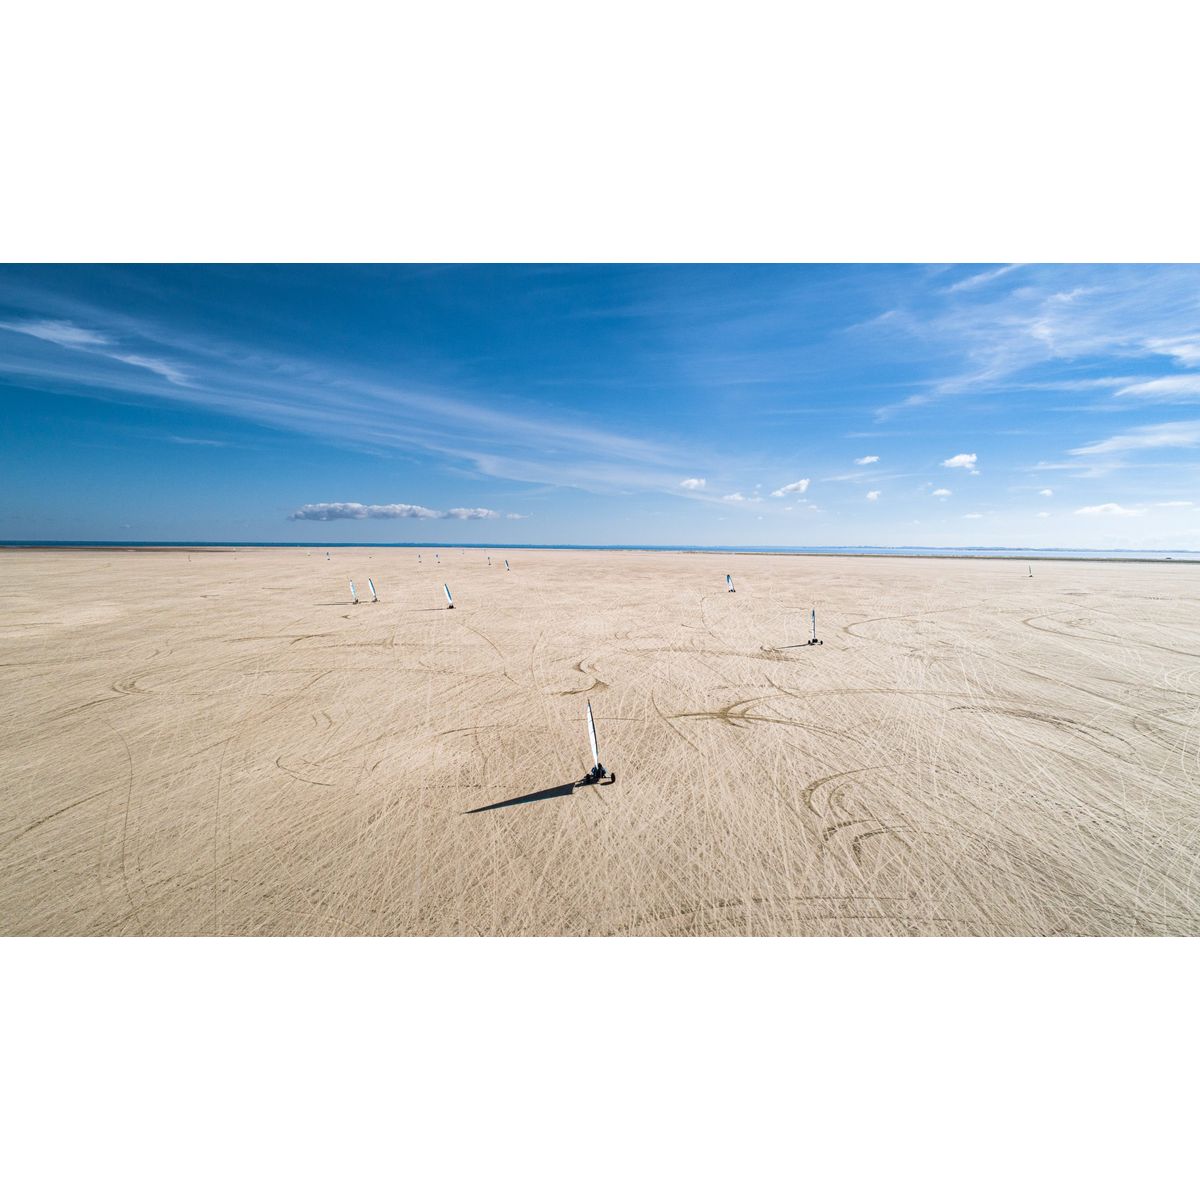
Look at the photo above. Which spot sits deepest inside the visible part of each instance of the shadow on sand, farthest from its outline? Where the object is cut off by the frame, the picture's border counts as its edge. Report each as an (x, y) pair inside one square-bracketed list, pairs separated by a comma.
[(563, 789)]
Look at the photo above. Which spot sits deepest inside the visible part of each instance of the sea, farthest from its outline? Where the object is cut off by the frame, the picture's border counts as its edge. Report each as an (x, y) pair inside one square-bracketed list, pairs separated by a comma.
[(1045, 552)]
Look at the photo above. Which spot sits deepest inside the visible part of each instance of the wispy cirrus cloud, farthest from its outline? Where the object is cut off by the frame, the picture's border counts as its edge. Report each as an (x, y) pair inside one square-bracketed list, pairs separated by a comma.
[(919, 400), (1186, 387), (982, 278), (336, 403), (1184, 350), (61, 333), (170, 372), (1059, 329), (351, 511), (69, 336), (1176, 434)]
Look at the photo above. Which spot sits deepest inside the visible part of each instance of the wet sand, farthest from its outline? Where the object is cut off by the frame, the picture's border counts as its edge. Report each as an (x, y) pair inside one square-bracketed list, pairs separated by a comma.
[(221, 743)]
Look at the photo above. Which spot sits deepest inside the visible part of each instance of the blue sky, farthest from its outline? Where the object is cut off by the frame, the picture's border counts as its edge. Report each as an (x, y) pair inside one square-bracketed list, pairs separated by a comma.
[(738, 405)]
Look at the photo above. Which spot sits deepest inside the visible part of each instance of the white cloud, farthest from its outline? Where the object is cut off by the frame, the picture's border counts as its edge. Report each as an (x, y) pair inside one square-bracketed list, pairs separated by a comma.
[(1174, 504), (874, 495), (735, 496), (1046, 492), (942, 492), (866, 460), (972, 516), (961, 460), (693, 485), (790, 489), (1108, 510), (349, 511), (517, 516), (1043, 514), (1147, 437)]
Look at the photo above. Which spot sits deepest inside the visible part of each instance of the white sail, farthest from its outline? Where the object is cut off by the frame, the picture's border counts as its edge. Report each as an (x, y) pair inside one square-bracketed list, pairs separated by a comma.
[(353, 593), (729, 582), (371, 584), (814, 624), (506, 566), (449, 598), (592, 735)]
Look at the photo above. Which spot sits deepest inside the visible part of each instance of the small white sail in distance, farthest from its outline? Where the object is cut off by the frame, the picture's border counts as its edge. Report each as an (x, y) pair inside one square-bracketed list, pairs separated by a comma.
[(374, 593), (729, 582), (449, 598)]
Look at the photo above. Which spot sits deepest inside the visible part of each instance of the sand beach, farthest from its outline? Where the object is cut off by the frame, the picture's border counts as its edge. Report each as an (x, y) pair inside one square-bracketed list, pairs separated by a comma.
[(220, 743)]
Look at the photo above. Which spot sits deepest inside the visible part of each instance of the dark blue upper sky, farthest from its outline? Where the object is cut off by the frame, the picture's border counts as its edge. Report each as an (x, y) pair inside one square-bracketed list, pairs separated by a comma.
[(726, 405)]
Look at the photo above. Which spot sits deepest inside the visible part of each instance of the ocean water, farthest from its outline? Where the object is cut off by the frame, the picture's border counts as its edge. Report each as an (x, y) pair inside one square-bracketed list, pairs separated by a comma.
[(880, 551)]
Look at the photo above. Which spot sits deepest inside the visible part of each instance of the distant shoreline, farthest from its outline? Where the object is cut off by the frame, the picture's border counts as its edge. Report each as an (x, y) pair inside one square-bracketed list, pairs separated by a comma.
[(999, 553)]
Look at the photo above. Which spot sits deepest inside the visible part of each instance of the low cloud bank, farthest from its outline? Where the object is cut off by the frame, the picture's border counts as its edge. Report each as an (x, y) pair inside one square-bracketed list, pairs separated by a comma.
[(1108, 510), (389, 512)]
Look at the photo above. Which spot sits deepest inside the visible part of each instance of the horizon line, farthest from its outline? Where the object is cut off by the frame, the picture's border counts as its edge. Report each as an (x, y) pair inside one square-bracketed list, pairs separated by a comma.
[(66, 543)]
